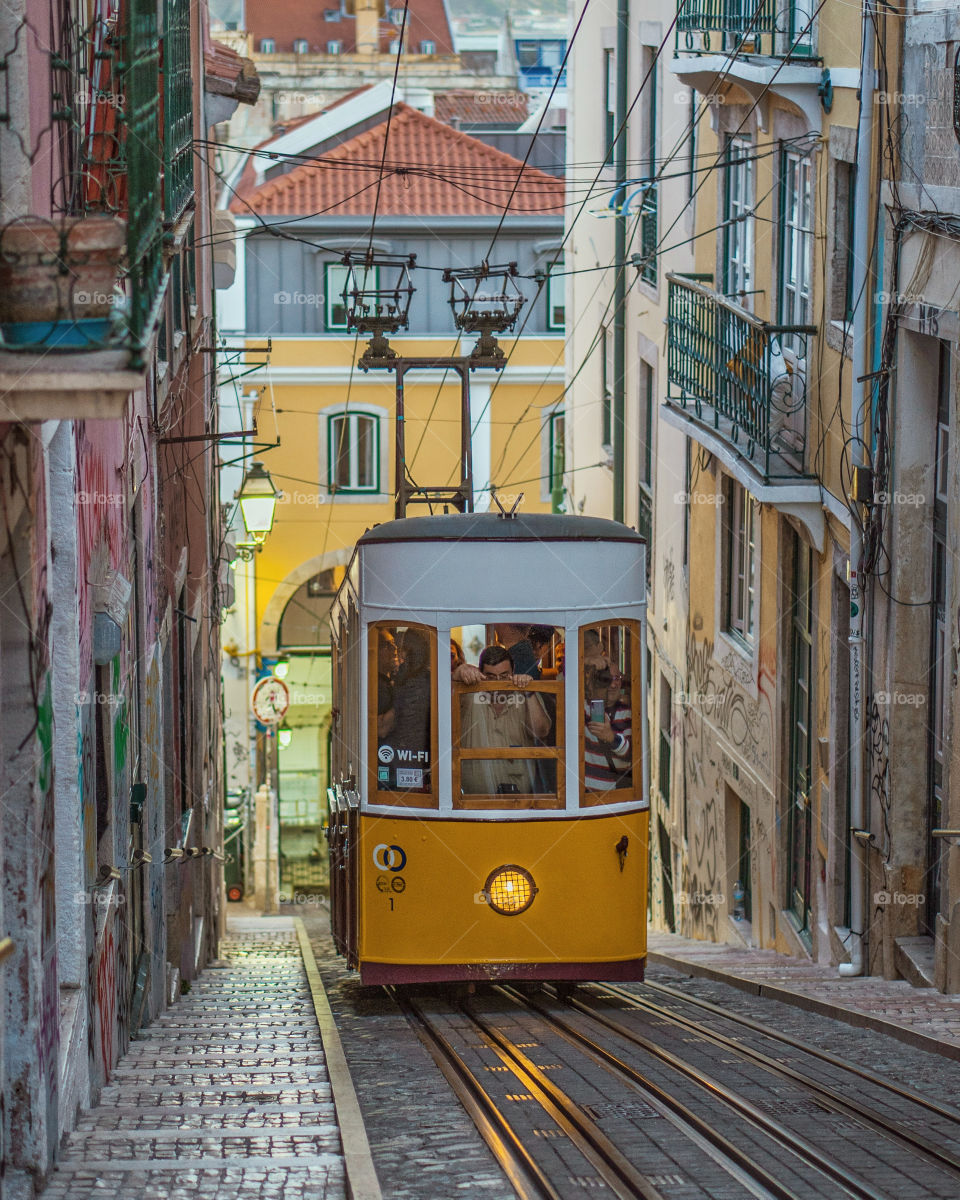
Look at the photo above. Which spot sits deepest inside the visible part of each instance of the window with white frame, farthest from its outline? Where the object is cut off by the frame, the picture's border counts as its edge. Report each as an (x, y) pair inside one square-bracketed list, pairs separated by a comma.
[(740, 561), (395, 16), (556, 296), (609, 102), (428, 47), (301, 46), (268, 46), (796, 244), (738, 220), (353, 452), (331, 14), (335, 276), (556, 449), (334, 47)]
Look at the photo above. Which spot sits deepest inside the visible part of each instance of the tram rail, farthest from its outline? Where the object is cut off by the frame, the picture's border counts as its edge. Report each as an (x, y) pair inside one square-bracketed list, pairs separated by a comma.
[(941, 1110), (827, 1095)]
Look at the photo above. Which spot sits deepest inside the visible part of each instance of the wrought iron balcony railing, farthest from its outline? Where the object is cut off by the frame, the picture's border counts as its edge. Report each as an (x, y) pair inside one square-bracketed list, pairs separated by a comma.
[(743, 377), (782, 28), (89, 274)]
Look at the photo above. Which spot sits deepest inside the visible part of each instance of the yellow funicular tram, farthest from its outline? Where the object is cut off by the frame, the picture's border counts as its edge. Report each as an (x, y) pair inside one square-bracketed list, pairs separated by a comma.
[(488, 817)]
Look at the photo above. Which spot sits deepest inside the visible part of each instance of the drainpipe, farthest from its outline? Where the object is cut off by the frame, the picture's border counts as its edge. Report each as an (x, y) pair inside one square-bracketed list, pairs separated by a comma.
[(859, 398), (619, 255)]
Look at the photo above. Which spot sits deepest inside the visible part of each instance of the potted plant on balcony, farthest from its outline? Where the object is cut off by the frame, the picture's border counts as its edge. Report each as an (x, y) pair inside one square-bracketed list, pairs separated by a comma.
[(58, 281)]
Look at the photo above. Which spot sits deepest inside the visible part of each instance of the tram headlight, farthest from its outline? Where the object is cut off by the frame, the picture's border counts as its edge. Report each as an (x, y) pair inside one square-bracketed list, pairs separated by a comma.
[(509, 890)]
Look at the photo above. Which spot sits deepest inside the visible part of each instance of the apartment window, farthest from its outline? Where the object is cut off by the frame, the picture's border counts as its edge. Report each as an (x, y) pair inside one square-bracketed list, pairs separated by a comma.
[(556, 448), (801, 26), (331, 14), (606, 387), (742, 514), (396, 16), (738, 231), (353, 449), (335, 280), (844, 188), (556, 290), (428, 47), (394, 47), (334, 47), (609, 101), (301, 46), (666, 716), (646, 424), (796, 243), (648, 151), (268, 46), (528, 54)]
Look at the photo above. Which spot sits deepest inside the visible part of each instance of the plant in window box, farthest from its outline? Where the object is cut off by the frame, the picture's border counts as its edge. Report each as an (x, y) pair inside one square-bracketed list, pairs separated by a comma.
[(58, 281)]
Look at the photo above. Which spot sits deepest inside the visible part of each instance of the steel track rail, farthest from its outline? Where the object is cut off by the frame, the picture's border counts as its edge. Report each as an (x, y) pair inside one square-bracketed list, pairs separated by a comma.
[(803, 1149), (525, 1176), (835, 1100), (941, 1110), (728, 1150), (615, 1169)]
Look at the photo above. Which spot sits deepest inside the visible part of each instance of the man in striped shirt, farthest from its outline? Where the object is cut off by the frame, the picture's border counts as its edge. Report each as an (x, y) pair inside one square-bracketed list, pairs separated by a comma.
[(607, 744)]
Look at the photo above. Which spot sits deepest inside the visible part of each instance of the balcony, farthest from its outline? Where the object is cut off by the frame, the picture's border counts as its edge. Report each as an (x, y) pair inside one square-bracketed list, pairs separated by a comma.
[(763, 46), (82, 284), (740, 383)]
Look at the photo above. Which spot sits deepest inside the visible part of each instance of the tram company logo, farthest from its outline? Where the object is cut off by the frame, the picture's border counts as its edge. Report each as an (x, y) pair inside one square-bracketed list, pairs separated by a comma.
[(389, 858), (385, 754)]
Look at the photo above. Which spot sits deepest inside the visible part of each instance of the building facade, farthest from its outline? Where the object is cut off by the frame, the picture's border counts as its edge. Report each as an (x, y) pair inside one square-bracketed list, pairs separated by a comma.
[(109, 664), (761, 335)]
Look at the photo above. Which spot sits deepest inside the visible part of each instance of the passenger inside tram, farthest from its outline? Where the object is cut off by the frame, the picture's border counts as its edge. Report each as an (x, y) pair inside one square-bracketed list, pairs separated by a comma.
[(608, 729), (499, 720)]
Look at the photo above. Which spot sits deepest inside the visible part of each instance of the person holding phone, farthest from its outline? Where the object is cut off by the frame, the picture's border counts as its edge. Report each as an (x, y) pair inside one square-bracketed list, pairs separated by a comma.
[(608, 732)]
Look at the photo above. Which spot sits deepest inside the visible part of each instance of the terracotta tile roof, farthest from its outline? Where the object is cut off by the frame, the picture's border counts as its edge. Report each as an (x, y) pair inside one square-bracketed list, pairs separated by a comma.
[(480, 108), (431, 169), (226, 73), (288, 22)]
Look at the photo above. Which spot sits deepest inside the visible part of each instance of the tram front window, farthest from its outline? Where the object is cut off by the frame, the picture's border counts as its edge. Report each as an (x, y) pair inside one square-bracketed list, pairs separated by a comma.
[(404, 660), (508, 739), (610, 654)]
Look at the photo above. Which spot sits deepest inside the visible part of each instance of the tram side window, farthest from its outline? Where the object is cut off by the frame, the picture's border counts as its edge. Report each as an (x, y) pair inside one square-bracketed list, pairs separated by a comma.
[(402, 703), (508, 720), (610, 699)]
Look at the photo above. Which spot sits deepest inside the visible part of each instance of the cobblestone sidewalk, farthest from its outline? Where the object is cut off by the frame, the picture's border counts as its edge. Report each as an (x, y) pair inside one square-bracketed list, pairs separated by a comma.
[(919, 1016), (225, 1096)]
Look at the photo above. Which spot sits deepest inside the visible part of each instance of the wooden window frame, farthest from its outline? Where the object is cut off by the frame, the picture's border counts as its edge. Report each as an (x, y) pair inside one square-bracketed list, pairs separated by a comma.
[(529, 801), (392, 799), (615, 795)]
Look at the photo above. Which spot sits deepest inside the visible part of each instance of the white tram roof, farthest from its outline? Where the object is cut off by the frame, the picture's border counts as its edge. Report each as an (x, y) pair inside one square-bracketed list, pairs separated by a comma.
[(465, 568)]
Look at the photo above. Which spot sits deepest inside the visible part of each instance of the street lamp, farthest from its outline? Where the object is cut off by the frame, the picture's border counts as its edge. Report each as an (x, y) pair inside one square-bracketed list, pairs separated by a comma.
[(258, 502)]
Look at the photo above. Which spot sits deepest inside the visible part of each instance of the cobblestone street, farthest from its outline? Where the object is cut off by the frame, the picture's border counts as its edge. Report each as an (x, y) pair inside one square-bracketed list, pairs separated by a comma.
[(227, 1095)]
